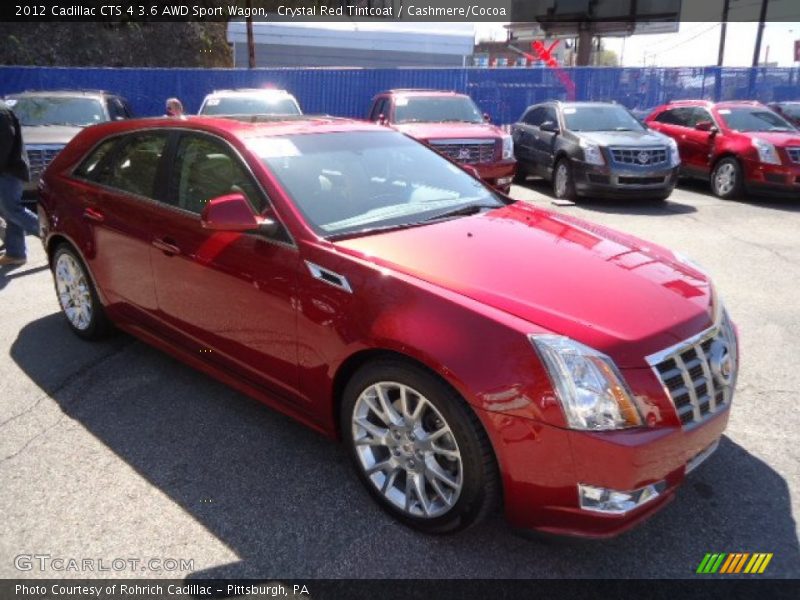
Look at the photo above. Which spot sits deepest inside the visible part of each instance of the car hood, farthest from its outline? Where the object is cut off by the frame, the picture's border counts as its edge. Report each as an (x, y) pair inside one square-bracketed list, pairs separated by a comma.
[(778, 138), (49, 134), (623, 138), (434, 131), (608, 290)]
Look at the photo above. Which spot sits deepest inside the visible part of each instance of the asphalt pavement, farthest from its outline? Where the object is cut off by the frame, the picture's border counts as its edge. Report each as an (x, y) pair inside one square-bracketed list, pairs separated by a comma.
[(114, 450)]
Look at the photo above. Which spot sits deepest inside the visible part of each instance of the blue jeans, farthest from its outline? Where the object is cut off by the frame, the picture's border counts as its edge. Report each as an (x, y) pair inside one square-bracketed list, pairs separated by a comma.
[(19, 220)]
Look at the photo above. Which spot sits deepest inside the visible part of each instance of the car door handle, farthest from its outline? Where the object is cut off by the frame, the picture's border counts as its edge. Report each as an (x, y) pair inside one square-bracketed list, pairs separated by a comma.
[(92, 214), (167, 246)]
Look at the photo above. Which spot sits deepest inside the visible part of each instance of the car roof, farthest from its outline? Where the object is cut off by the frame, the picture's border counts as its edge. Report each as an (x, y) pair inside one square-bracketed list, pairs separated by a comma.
[(244, 127), (63, 93), (419, 92), (250, 92), (710, 104)]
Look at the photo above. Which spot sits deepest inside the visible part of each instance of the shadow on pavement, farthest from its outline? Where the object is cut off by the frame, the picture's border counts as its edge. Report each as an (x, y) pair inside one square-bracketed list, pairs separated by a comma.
[(286, 501), (787, 203), (7, 274), (630, 206)]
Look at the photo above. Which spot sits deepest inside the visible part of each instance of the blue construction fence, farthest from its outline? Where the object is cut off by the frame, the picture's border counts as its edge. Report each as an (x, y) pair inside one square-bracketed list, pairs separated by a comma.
[(502, 92)]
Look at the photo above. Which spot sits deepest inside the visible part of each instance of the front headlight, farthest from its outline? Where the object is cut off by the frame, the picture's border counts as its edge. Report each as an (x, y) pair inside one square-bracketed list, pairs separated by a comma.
[(508, 147), (674, 155), (592, 153), (592, 392), (766, 152)]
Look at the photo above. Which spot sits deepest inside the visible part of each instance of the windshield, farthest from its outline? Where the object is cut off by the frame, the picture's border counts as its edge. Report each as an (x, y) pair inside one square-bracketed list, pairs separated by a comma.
[(250, 105), (351, 182), (436, 109), (748, 118), (34, 111), (600, 118)]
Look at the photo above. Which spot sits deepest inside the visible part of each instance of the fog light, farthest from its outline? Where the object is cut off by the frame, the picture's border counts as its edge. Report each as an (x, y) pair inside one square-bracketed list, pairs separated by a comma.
[(614, 502), (504, 180)]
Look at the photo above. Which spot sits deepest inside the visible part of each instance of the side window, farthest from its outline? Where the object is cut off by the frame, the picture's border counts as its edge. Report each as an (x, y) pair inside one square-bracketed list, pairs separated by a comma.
[(378, 109), (115, 109), (535, 116), (90, 168), (205, 169), (550, 115), (675, 116), (134, 167), (700, 114)]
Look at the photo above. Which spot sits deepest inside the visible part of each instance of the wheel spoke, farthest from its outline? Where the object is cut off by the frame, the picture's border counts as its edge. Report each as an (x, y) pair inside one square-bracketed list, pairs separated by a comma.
[(436, 470), (390, 479), (381, 466), (418, 481), (388, 408)]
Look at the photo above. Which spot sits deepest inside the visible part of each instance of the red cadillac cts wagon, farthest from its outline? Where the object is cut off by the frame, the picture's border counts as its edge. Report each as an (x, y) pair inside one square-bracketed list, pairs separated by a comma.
[(467, 349)]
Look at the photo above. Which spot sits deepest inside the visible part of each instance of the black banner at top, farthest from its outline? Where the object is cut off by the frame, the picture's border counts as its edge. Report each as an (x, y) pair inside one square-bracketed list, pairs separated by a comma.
[(597, 15)]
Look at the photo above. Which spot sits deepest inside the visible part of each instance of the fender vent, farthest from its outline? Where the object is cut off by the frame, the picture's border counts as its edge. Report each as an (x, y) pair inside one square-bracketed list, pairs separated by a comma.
[(329, 277)]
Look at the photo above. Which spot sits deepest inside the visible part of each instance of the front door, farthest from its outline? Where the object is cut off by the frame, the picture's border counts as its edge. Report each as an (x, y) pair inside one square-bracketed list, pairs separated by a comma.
[(228, 296)]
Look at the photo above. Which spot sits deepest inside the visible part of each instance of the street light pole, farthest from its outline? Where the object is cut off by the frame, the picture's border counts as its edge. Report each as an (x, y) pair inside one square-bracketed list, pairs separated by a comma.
[(761, 19), (723, 32)]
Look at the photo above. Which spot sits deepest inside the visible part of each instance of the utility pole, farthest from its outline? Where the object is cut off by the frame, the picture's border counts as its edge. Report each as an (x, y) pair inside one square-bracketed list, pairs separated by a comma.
[(251, 44), (723, 32), (761, 19)]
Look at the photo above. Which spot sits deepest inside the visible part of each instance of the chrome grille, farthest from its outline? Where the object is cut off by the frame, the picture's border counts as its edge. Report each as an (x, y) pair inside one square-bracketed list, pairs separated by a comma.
[(466, 151), (693, 375), (794, 153), (640, 157), (40, 156)]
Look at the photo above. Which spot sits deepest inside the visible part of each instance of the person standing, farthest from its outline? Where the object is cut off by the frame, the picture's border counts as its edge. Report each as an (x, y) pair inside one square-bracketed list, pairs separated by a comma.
[(14, 172), (174, 108)]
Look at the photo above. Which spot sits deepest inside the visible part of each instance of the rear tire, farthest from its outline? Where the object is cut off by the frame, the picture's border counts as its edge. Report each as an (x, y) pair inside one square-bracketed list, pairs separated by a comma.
[(563, 184), (77, 295), (418, 448), (727, 179)]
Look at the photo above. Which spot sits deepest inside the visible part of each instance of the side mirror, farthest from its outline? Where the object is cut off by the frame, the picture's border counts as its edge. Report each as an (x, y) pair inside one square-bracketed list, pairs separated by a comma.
[(549, 126), (232, 212), (487, 118), (705, 126), (471, 170)]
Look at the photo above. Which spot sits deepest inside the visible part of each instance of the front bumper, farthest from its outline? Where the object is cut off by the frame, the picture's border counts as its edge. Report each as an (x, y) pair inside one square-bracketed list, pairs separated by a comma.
[(499, 175), (781, 180), (543, 465), (618, 182)]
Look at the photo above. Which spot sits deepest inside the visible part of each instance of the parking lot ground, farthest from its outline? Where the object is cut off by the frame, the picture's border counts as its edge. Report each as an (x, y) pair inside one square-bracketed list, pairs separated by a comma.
[(114, 450)]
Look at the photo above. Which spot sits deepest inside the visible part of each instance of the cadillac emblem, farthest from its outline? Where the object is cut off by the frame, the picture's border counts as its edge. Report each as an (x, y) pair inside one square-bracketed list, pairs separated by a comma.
[(463, 154), (721, 362), (643, 157)]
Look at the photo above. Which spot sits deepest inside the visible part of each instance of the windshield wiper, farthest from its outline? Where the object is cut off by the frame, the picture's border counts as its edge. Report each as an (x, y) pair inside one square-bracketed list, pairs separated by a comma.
[(463, 211)]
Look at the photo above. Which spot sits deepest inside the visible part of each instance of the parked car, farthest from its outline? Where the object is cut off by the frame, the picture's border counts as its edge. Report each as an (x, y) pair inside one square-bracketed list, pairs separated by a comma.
[(738, 146), (50, 119), (463, 345), (266, 101), (594, 149), (788, 110), (451, 124)]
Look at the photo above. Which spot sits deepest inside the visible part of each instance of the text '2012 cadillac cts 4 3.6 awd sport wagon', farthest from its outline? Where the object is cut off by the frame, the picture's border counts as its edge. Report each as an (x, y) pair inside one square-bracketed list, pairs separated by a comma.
[(464, 346)]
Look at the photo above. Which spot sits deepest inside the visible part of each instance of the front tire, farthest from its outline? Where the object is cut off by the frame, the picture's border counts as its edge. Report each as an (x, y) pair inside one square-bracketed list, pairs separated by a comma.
[(726, 179), (563, 183), (77, 296), (418, 448)]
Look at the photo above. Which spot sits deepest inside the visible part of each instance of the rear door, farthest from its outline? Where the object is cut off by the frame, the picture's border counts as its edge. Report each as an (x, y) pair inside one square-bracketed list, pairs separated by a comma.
[(227, 296), (524, 134), (118, 188), (545, 142), (698, 144)]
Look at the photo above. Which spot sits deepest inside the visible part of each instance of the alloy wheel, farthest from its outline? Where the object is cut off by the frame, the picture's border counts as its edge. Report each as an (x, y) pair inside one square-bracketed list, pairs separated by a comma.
[(407, 450), (74, 293), (725, 179), (562, 177)]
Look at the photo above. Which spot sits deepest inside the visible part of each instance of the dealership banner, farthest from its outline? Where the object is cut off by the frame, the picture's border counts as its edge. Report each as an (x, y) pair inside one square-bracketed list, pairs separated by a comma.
[(593, 15)]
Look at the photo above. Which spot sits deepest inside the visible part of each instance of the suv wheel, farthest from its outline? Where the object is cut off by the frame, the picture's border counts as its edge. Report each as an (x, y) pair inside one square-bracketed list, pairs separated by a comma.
[(77, 296), (563, 185), (726, 179), (418, 447)]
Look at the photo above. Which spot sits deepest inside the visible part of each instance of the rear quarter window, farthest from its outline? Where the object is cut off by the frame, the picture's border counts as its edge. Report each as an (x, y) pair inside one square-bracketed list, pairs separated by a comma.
[(90, 167)]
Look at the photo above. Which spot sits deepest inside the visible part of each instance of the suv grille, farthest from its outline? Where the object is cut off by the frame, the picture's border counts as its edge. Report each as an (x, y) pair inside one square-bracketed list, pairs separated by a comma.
[(699, 375), (794, 154), (466, 151), (40, 156), (640, 157)]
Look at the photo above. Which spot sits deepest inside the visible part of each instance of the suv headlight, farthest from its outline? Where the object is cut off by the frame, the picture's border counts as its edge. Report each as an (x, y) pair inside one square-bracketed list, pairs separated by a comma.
[(508, 147), (766, 152), (592, 153), (674, 155), (592, 392)]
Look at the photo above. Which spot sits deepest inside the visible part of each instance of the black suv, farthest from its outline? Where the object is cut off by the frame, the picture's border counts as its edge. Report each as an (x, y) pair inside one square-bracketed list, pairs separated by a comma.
[(594, 149)]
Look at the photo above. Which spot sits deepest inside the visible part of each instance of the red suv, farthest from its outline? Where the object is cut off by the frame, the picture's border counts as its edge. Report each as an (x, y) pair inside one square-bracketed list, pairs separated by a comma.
[(738, 146), (453, 125), (464, 346)]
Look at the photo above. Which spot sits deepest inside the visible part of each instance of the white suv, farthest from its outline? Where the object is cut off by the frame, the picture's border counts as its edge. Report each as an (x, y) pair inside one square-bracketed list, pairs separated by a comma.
[(250, 102)]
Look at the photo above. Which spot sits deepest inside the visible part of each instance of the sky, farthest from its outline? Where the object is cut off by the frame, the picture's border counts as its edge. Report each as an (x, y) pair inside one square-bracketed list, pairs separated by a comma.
[(696, 44)]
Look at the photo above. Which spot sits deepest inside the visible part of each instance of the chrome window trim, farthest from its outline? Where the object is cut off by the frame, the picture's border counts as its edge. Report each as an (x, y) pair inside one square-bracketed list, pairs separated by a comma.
[(291, 244)]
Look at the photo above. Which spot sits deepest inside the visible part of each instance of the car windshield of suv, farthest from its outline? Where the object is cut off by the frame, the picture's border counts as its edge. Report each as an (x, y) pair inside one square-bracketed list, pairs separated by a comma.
[(436, 109), (250, 105), (743, 118), (600, 118), (34, 111), (347, 183)]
